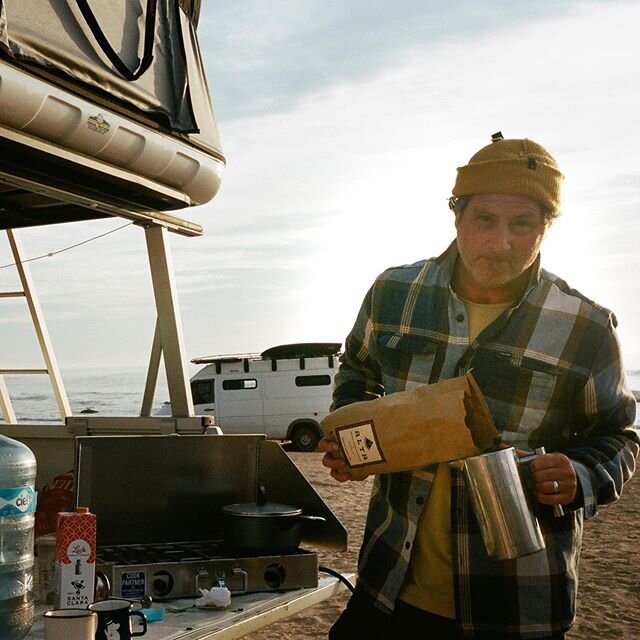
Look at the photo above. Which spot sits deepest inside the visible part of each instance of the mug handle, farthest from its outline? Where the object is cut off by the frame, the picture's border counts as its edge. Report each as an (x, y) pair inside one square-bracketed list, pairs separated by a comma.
[(558, 510), (143, 621)]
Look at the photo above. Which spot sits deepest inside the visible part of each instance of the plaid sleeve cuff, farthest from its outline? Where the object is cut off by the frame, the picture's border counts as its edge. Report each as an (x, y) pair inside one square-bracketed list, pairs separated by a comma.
[(585, 487)]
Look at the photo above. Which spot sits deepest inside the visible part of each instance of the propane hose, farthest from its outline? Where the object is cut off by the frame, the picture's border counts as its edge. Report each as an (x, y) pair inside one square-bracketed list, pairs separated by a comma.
[(340, 577)]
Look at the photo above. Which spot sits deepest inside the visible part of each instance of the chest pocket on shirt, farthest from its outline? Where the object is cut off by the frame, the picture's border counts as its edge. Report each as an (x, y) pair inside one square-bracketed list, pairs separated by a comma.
[(406, 360), (523, 394)]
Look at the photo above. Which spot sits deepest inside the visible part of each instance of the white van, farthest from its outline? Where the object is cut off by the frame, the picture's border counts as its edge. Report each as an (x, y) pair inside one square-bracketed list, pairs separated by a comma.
[(283, 392)]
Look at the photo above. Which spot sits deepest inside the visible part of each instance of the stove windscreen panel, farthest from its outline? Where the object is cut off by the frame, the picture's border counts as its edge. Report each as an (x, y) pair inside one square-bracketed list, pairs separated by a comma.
[(284, 483), (155, 489)]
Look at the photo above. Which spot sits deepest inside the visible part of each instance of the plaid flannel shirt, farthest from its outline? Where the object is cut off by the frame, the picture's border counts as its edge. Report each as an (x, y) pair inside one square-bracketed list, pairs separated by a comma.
[(551, 372)]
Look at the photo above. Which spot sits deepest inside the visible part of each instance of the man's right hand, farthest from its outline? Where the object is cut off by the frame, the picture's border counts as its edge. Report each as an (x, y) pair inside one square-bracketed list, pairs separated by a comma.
[(334, 461)]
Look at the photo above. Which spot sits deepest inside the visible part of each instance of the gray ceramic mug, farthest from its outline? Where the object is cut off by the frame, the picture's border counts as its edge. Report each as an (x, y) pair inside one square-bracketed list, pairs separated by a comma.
[(69, 624)]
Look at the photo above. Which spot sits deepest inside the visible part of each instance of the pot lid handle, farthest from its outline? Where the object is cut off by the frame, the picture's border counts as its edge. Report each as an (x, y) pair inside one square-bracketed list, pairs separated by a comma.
[(261, 495)]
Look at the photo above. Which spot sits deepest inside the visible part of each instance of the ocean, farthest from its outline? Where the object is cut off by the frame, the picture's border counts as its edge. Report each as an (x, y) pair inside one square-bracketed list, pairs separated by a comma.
[(102, 392), (633, 380), (109, 392)]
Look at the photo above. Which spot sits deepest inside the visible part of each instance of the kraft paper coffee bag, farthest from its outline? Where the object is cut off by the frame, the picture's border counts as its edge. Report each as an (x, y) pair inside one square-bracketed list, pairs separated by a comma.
[(410, 429)]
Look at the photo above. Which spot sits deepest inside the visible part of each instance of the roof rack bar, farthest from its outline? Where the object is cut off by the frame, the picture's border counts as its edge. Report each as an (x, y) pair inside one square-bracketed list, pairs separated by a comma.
[(26, 372)]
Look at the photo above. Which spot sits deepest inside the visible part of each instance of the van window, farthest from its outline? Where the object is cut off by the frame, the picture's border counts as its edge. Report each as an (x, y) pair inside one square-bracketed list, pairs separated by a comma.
[(202, 391), (243, 383), (313, 381)]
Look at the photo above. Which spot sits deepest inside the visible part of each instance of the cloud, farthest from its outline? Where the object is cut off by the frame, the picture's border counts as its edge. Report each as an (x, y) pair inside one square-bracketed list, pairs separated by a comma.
[(264, 57), (435, 106), (374, 154)]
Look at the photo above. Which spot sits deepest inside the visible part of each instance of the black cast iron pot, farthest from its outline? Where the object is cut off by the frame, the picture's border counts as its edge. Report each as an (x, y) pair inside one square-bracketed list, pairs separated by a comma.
[(259, 527)]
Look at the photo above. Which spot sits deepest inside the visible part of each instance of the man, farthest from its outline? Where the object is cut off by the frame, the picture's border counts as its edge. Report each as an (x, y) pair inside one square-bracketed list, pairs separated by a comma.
[(548, 363)]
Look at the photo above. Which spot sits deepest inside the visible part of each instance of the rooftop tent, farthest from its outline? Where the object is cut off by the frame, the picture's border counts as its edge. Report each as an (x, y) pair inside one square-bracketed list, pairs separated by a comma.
[(104, 107)]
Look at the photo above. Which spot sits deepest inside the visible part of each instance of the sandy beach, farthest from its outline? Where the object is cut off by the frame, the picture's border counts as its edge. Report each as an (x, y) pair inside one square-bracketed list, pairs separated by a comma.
[(609, 592)]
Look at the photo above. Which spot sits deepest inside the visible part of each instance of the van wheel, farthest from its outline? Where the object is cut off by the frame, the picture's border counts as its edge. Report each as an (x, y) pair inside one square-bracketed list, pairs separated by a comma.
[(305, 437)]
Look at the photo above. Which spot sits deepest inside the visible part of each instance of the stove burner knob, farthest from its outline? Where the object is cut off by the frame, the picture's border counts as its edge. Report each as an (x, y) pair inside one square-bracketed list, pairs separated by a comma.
[(162, 583), (275, 575)]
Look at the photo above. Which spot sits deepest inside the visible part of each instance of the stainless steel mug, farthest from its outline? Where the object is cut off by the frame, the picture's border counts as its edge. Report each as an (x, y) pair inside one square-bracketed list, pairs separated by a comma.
[(502, 505)]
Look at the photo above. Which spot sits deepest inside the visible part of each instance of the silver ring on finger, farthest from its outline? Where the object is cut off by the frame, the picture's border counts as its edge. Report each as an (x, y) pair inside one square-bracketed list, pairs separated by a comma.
[(556, 486)]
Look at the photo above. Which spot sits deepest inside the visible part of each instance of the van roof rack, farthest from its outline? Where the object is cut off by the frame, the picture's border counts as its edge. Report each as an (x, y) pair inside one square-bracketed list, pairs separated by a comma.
[(302, 350), (297, 350), (232, 357)]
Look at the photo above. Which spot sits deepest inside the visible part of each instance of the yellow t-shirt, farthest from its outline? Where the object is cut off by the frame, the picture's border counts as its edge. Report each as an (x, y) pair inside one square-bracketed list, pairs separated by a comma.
[(482, 315), (429, 582)]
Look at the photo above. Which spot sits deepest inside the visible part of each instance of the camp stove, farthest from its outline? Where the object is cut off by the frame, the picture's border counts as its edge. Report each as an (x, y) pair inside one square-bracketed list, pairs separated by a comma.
[(158, 502), (180, 570)]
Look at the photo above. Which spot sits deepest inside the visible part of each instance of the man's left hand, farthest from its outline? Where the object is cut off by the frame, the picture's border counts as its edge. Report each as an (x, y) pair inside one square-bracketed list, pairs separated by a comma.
[(554, 479)]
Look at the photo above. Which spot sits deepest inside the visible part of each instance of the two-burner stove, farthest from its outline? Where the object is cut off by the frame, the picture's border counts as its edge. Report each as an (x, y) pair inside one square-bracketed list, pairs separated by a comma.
[(158, 500), (180, 570)]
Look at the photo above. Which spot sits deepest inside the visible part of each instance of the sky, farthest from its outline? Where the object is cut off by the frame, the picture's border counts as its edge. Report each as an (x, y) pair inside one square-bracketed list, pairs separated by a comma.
[(343, 122)]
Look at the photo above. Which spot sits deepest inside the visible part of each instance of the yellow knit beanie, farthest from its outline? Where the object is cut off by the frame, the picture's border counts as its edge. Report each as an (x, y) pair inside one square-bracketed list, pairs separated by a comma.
[(519, 167)]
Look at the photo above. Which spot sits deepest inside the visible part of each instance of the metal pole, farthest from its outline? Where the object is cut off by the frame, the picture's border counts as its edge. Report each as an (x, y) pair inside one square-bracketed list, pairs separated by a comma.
[(169, 323), (5, 403), (152, 373)]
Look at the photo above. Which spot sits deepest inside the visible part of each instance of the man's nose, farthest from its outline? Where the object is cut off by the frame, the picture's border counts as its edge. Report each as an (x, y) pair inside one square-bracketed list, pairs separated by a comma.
[(501, 238)]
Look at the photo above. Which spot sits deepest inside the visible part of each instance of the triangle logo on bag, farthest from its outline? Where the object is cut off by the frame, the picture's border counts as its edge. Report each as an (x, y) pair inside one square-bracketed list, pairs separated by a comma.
[(359, 444)]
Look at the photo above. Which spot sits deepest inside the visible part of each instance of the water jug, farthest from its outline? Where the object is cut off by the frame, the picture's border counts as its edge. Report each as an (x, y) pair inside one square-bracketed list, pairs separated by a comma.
[(17, 514)]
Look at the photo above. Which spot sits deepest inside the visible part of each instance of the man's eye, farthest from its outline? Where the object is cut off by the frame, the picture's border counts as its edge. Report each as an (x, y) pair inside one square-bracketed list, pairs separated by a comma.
[(524, 227)]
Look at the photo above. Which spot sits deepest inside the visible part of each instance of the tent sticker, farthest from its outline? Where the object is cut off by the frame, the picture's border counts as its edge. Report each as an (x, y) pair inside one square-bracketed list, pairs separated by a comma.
[(98, 124)]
